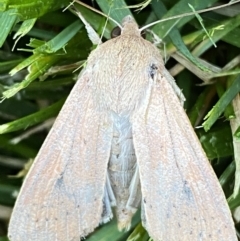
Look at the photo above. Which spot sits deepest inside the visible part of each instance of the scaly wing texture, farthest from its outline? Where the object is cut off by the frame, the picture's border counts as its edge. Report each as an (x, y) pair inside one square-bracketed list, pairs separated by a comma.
[(182, 199), (62, 196)]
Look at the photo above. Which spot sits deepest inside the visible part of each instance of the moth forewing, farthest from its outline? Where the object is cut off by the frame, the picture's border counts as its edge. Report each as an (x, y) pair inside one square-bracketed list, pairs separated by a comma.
[(122, 138), (61, 198), (174, 171)]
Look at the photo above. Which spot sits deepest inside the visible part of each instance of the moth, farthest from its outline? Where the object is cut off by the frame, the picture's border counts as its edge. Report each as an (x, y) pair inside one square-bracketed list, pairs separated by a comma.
[(123, 140)]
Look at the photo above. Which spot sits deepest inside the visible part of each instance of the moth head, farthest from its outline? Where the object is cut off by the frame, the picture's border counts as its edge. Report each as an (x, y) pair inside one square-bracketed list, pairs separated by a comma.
[(128, 20), (129, 27)]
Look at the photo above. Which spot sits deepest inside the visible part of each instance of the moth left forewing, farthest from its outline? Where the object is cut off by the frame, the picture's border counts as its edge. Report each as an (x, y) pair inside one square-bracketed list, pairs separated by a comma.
[(62, 195), (181, 195)]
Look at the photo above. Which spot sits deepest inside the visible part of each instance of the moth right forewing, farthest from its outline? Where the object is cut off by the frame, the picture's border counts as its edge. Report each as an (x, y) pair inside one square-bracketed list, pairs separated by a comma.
[(61, 198), (181, 196)]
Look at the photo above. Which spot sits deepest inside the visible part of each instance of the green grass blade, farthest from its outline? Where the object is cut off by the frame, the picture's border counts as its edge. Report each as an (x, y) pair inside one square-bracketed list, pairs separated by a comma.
[(7, 20), (221, 105), (32, 119)]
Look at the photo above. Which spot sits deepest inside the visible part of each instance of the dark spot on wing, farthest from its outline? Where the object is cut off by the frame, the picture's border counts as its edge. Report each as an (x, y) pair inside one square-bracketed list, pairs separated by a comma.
[(59, 181), (187, 191), (152, 70)]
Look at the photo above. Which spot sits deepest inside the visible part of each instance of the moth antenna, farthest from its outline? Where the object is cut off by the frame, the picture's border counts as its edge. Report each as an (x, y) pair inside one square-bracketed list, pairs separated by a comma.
[(188, 14), (99, 12)]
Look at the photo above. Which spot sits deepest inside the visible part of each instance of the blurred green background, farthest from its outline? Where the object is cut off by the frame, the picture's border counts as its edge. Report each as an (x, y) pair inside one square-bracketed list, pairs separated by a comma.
[(43, 48)]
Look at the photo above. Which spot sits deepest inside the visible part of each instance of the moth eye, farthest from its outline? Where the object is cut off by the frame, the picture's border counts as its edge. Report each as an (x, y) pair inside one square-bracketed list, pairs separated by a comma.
[(153, 70), (116, 32)]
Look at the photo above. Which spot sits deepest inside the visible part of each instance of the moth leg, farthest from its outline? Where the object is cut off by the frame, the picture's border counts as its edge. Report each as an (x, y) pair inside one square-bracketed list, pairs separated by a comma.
[(175, 87)]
